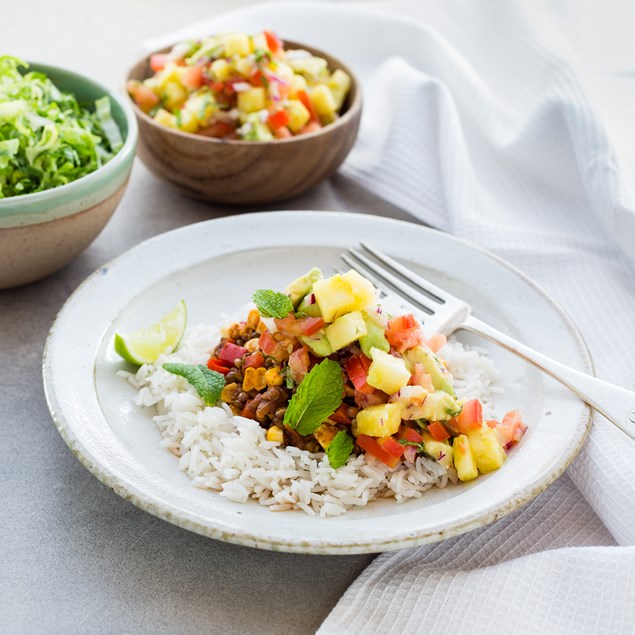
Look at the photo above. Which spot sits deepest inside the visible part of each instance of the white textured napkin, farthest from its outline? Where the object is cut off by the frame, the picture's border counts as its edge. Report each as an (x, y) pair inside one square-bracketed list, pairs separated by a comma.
[(477, 123)]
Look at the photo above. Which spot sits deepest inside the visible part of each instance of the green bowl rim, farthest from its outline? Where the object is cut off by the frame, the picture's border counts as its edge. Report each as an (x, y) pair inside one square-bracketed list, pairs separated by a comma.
[(85, 183)]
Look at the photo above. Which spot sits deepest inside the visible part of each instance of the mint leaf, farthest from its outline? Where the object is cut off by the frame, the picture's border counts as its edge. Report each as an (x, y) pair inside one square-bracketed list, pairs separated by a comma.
[(208, 383), (272, 303), (340, 449), (318, 396)]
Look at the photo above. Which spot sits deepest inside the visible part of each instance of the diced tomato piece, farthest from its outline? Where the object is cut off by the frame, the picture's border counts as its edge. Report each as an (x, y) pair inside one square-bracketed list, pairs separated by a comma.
[(231, 352), (312, 126), (299, 363), (213, 363), (191, 77), (158, 61), (471, 416), (278, 119), (248, 411), (492, 423), (370, 446), (269, 346), (274, 43), (255, 360), (437, 342), (308, 104), (357, 369), (341, 415), (511, 429), (408, 434), (289, 326), (219, 129), (404, 332), (453, 426), (311, 325), (282, 133), (438, 431), (392, 446), (143, 96)]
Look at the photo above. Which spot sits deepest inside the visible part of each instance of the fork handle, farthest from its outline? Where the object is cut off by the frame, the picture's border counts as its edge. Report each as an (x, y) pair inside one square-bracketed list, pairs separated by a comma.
[(617, 404)]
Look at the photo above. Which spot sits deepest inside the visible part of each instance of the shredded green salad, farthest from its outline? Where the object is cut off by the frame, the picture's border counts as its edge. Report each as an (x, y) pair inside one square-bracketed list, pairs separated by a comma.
[(46, 138)]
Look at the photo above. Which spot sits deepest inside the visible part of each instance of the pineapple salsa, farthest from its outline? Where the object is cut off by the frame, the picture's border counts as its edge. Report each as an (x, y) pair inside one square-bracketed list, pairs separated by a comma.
[(323, 367), (238, 86)]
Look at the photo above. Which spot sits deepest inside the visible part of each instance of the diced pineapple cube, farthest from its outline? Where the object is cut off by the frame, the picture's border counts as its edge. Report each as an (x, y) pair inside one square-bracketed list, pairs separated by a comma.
[(340, 84), (323, 102), (174, 95), (165, 118), (363, 289), (187, 121), (298, 83), (325, 434), (333, 295), (442, 452), (237, 44), (464, 459), (244, 66), (379, 421), (488, 452), (220, 70), (411, 399), (345, 330), (252, 100), (299, 115), (386, 372), (260, 42), (274, 433)]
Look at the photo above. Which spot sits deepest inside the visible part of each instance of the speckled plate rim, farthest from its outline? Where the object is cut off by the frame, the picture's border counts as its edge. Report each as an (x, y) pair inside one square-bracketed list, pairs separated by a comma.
[(250, 537)]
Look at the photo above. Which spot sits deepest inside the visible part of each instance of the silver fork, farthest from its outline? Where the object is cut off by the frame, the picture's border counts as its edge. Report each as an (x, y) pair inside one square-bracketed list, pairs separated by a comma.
[(443, 312)]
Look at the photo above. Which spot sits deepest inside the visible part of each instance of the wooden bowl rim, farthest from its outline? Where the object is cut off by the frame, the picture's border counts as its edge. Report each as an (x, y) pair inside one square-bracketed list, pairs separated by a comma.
[(351, 113)]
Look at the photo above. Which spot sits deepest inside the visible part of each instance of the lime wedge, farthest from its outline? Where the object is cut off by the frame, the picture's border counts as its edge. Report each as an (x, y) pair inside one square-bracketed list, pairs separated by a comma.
[(145, 345)]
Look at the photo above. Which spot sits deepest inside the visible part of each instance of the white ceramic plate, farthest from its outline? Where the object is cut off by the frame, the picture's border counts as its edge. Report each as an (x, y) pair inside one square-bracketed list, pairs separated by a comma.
[(215, 266)]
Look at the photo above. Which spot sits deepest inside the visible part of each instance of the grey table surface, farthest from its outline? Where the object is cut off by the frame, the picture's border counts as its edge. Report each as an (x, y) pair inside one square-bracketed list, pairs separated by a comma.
[(74, 557)]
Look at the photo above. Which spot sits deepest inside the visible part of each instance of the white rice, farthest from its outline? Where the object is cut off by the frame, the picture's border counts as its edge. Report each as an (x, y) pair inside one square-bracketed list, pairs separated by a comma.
[(230, 454)]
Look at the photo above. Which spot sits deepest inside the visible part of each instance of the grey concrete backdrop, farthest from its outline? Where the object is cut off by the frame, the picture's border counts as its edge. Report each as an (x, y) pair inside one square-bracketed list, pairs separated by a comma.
[(74, 557)]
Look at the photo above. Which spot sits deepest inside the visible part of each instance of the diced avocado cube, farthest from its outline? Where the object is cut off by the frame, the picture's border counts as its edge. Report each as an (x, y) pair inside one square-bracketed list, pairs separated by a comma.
[(441, 452), (317, 343), (441, 378), (305, 307), (334, 297), (345, 330), (375, 337), (386, 372), (439, 406), (298, 289), (379, 421), (464, 459), (486, 448)]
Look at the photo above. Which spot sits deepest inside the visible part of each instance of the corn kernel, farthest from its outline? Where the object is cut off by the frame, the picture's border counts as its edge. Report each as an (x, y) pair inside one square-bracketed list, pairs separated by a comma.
[(236, 44), (273, 377), (275, 434), (253, 319), (254, 378)]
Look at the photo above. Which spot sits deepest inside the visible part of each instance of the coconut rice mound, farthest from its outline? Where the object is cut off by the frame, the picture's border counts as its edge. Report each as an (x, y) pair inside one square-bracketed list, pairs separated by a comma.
[(230, 454)]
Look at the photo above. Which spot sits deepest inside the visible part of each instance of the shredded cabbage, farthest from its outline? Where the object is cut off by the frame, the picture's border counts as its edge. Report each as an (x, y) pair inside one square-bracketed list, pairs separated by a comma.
[(46, 138)]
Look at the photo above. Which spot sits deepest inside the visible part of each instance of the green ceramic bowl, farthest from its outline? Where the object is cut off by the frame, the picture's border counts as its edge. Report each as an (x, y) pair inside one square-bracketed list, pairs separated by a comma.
[(42, 232)]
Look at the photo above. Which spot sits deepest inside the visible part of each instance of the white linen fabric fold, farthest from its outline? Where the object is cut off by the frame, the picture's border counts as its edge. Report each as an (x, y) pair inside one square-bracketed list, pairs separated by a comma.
[(476, 123)]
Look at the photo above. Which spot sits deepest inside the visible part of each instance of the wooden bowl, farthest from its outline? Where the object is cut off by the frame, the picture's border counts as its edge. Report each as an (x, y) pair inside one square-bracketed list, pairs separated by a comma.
[(247, 172)]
